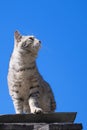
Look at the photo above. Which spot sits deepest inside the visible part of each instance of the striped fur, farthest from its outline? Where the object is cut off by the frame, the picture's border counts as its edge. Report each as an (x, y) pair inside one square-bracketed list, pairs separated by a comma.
[(29, 91)]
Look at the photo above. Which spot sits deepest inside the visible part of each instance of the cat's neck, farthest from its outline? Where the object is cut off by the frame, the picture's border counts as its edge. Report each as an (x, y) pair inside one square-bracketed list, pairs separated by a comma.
[(24, 56)]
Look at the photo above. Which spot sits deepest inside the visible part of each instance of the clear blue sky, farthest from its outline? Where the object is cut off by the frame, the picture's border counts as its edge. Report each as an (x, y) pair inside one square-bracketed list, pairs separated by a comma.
[(61, 25)]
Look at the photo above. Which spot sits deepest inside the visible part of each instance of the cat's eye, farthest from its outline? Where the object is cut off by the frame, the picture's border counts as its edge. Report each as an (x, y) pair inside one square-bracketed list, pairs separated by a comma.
[(24, 45)]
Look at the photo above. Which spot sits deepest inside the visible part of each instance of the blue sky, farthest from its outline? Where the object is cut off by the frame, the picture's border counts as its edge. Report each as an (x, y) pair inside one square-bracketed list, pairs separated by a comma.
[(61, 25)]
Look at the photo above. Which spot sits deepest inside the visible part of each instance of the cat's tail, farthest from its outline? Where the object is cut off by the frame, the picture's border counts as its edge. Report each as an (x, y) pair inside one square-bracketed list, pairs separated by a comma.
[(53, 105)]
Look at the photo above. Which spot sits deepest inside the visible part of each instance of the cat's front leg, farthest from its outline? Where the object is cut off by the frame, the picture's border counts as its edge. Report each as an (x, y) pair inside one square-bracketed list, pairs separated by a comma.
[(26, 108), (18, 105), (34, 103)]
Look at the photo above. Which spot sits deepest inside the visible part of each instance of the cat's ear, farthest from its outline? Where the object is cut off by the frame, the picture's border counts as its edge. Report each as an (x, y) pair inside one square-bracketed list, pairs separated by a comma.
[(17, 36)]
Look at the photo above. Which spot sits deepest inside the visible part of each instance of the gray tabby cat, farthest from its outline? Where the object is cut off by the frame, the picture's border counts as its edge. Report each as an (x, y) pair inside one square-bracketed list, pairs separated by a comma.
[(29, 91)]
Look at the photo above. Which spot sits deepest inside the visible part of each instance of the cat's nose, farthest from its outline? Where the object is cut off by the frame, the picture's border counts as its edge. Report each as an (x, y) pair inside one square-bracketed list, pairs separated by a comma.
[(38, 43)]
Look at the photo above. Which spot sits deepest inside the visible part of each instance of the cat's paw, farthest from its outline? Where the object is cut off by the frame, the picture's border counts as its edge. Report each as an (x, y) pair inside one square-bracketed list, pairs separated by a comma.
[(38, 111)]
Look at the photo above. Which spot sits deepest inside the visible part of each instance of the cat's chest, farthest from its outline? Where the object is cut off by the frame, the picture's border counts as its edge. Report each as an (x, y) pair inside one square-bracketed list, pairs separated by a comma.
[(20, 63), (24, 85), (22, 68)]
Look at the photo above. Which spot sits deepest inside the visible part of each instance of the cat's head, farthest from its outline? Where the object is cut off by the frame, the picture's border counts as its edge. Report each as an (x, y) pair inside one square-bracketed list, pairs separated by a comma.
[(26, 44)]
